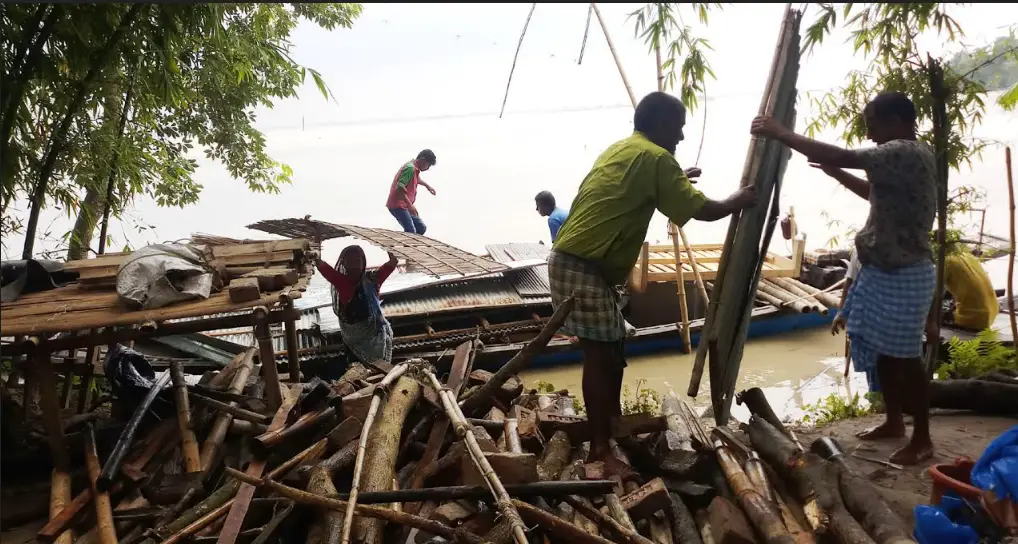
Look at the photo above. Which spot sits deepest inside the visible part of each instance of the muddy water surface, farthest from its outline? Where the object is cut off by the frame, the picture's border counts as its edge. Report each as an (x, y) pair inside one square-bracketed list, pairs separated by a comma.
[(794, 370)]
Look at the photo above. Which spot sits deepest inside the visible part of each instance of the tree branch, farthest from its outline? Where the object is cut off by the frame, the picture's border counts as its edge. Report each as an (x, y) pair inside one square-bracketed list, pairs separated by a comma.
[(57, 139)]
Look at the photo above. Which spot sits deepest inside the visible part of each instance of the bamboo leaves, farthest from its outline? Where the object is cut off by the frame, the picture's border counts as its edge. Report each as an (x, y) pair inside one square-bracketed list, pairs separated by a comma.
[(661, 25), (886, 34)]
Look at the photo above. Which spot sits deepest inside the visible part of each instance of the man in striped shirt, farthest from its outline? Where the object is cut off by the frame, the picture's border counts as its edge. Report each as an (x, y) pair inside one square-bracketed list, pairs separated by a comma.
[(403, 192)]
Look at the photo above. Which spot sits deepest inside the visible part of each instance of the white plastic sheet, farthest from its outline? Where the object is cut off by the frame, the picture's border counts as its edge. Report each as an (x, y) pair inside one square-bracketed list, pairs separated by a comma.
[(162, 274)]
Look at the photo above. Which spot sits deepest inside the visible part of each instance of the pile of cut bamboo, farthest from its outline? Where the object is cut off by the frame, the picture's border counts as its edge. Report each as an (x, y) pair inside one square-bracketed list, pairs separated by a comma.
[(394, 453), (749, 233)]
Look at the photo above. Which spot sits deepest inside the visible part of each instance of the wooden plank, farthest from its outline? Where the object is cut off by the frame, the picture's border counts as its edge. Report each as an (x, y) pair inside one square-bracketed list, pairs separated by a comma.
[(219, 252), (114, 315)]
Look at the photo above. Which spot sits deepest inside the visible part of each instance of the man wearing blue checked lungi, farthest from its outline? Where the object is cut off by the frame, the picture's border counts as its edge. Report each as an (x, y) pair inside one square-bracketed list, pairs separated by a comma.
[(599, 242), (888, 305)]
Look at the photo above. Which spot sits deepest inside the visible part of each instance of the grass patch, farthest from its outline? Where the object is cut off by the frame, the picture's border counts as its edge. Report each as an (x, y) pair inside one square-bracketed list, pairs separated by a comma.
[(834, 407), (643, 401)]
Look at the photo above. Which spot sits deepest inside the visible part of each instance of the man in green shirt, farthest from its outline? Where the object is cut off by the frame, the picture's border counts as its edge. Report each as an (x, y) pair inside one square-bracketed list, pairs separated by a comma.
[(599, 244)]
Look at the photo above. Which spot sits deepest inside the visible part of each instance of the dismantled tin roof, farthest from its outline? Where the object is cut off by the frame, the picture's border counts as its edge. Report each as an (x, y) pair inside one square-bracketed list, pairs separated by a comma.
[(530, 282), (429, 255)]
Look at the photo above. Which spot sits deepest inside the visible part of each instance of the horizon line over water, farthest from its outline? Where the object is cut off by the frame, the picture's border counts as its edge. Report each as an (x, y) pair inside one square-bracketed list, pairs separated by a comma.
[(489, 170)]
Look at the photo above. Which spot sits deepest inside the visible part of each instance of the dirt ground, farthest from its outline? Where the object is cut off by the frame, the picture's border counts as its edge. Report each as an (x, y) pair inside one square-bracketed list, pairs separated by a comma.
[(954, 435)]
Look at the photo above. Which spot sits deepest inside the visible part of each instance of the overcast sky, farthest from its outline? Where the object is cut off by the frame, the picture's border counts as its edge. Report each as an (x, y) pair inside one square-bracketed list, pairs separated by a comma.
[(410, 76)]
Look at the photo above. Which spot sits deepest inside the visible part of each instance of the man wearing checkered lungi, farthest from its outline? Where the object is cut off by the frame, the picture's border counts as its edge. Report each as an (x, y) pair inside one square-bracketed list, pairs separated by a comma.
[(888, 305), (600, 241)]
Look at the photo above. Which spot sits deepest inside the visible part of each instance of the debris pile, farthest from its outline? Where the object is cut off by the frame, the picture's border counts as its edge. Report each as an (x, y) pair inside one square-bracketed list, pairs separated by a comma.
[(407, 453)]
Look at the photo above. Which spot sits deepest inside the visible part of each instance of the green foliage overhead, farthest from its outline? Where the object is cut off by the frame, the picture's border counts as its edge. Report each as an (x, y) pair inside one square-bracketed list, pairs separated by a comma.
[(179, 76), (662, 25), (885, 33)]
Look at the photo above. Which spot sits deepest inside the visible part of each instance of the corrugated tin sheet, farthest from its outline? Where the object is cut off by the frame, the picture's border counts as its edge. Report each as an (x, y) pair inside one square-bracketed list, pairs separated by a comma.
[(507, 253), (307, 325), (530, 282), (476, 293)]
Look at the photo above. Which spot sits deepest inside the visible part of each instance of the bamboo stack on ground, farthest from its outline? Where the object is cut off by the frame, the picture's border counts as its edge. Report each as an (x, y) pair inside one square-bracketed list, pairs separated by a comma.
[(749, 232), (359, 470)]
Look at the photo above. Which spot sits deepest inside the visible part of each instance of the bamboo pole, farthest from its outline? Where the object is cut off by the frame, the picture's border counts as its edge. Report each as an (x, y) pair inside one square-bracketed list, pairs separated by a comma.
[(383, 449), (105, 530), (761, 512), (238, 413), (1010, 257), (188, 442), (267, 358), (680, 282), (708, 334), (60, 499), (755, 227), (673, 228), (519, 361), (466, 433), (222, 422), (557, 526), (223, 498), (696, 268), (627, 533), (362, 445), (242, 501), (376, 512), (292, 348)]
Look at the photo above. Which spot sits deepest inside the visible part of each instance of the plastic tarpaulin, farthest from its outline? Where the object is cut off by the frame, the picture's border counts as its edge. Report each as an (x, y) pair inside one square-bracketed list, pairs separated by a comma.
[(997, 469), (162, 274), (933, 525)]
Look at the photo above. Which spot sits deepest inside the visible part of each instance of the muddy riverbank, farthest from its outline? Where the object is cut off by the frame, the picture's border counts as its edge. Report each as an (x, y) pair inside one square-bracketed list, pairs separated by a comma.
[(955, 435), (794, 370)]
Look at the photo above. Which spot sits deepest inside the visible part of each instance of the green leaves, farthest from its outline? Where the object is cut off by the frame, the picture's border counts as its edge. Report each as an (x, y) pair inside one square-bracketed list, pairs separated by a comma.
[(661, 26), (885, 33), (198, 72)]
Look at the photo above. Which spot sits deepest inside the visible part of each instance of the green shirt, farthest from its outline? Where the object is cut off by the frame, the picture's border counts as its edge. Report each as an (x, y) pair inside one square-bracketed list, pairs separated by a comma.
[(609, 217)]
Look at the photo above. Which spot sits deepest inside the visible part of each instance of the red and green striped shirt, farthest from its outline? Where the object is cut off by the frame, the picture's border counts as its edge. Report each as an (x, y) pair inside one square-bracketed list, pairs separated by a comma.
[(406, 179)]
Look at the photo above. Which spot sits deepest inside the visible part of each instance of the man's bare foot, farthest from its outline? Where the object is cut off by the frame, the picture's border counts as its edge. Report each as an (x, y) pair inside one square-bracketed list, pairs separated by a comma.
[(882, 431), (574, 340), (913, 454)]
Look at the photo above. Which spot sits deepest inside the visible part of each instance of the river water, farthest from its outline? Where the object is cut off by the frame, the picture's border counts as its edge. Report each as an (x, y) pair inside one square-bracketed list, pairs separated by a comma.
[(793, 369)]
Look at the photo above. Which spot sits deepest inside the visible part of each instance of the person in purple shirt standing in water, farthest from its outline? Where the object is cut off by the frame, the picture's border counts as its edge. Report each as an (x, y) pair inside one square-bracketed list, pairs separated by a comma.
[(547, 208)]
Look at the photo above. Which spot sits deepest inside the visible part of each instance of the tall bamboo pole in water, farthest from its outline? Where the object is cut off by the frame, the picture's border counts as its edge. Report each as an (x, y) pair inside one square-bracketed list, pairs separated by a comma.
[(680, 279), (1010, 257)]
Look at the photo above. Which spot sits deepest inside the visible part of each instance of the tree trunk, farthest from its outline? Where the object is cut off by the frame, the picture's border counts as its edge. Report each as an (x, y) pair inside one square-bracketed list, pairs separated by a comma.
[(983, 397), (941, 134), (812, 480), (57, 139), (84, 226), (863, 500), (383, 447), (92, 207)]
